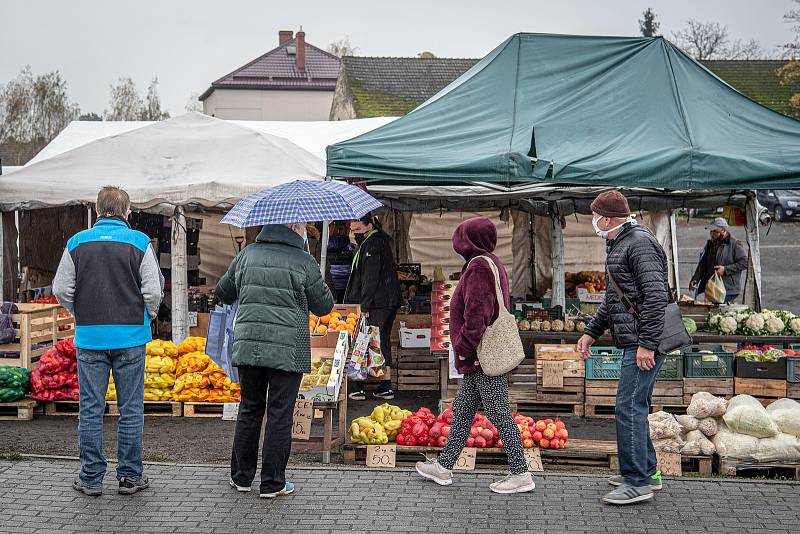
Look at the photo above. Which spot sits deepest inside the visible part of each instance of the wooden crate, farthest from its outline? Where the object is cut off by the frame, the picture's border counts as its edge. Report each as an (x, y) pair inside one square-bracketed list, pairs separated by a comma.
[(153, 408), (21, 410), (793, 390), (203, 409), (416, 369), (560, 374), (549, 407), (720, 387), (67, 408), (37, 330), (601, 397), (668, 393), (522, 381), (761, 389)]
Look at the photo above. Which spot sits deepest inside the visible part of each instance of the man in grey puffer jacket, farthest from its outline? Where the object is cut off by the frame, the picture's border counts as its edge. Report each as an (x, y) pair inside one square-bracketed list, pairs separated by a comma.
[(638, 265)]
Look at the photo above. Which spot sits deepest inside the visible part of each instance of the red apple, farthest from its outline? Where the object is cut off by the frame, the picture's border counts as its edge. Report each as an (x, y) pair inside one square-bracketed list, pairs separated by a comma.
[(487, 434), (562, 434), (500, 443), (473, 432), (442, 441), (521, 428), (544, 444), (479, 428), (480, 442), (552, 426), (470, 442), (548, 421), (540, 426), (526, 435), (445, 431), (537, 436), (560, 425), (548, 433), (527, 443)]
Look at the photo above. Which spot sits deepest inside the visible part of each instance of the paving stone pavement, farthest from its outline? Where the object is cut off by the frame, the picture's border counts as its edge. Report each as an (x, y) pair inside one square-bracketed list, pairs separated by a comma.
[(36, 497)]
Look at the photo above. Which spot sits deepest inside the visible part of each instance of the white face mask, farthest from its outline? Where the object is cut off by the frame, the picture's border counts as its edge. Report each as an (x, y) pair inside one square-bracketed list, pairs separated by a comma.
[(604, 233)]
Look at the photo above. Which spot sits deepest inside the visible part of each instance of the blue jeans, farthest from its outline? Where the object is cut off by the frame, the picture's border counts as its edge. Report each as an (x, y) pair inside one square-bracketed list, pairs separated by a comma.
[(637, 457), (128, 368)]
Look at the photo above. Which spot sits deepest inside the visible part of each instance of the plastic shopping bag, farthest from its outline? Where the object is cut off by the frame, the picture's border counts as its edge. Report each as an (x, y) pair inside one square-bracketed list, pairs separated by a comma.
[(715, 290), (219, 344), (358, 364), (376, 363)]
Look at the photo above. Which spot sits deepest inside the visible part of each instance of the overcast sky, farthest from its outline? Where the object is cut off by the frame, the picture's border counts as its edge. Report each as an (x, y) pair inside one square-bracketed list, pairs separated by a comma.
[(189, 43)]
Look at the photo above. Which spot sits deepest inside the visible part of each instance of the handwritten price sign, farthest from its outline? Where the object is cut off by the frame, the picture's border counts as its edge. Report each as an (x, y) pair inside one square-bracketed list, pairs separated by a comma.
[(301, 419), (381, 455), (466, 462), (533, 457)]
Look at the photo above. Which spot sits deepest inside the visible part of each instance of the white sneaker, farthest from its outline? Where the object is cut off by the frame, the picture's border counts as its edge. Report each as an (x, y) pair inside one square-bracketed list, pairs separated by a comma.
[(243, 489), (433, 471), (514, 484)]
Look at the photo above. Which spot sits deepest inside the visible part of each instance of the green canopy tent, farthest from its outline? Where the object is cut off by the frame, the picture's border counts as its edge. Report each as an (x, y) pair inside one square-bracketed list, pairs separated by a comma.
[(582, 110)]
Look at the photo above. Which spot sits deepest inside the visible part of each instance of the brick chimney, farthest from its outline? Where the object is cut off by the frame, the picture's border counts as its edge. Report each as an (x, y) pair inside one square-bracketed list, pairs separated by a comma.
[(300, 58), (284, 37)]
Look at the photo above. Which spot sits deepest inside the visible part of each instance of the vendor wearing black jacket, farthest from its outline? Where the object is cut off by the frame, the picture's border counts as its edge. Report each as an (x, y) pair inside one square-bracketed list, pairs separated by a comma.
[(374, 285)]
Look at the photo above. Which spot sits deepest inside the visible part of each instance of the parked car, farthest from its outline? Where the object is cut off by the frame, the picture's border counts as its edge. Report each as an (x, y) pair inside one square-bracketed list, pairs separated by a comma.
[(783, 204)]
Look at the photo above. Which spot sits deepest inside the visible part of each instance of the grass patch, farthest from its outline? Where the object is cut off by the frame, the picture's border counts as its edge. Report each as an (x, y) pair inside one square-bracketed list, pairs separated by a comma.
[(157, 458), (11, 456)]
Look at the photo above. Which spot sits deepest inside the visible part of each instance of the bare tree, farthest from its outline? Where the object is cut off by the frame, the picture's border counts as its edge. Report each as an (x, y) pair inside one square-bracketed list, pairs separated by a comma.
[(151, 109), (709, 40), (343, 47), (193, 103), (33, 110), (649, 26), (790, 73), (91, 116), (125, 102)]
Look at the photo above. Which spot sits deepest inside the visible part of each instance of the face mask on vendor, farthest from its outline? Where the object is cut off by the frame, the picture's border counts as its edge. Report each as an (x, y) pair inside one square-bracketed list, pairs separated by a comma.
[(360, 231), (604, 233)]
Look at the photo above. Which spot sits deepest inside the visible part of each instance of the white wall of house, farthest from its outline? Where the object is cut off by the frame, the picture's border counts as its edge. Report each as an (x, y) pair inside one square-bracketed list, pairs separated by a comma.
[(269, 105)]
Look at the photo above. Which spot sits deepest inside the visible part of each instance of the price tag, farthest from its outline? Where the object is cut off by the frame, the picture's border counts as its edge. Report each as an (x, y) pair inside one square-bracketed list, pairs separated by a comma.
[(230, 411), (301, 419), (381, 455), (192, 319), (669, 463), (533, 457), (466, 462)]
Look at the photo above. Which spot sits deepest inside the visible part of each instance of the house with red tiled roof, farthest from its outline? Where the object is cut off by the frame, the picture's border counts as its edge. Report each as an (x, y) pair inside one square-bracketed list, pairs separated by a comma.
[(294, 81)]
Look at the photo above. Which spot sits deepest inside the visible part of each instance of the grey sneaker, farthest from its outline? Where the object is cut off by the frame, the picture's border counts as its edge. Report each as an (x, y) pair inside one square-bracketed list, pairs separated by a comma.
[(626, 494), (656, 483), (237, 487), (433, 471), (94, 491), (129, 486), (514, 484)]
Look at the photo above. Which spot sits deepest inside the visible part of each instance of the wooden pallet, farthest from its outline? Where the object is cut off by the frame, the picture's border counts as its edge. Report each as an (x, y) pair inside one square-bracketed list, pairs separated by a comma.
[(153, 408), (697, 464), (764, 390), (416, 369), (668, 393), (720, 387), (203, 409), (601, 397), (37, 327), (550, 408), (731, 467), (68, 408), (21, 410), (522, 380), (575, 452), (559, 375)]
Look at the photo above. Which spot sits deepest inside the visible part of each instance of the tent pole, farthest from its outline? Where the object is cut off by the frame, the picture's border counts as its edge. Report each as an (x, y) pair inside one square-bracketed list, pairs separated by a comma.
[(673, 234), (2, 260), (323, 251), (19, 257), (557, 236), (88, 216), (180, 288), (752, 288)]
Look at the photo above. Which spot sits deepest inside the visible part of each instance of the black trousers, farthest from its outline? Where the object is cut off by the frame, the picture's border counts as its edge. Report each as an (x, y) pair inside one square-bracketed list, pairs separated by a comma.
[(384, 318), (276, 392)]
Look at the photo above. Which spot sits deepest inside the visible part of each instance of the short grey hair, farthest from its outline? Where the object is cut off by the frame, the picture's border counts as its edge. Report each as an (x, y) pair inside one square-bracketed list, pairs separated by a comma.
[(113, 201)]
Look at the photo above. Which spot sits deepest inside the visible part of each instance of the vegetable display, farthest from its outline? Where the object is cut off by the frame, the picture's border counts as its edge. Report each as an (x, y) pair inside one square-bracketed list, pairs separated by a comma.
[(748, 322), (14, 383), (380, 427), (56, 377)]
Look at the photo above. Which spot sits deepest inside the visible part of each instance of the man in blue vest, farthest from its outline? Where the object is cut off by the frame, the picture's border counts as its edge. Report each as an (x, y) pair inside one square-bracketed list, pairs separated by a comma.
[(109, 278)]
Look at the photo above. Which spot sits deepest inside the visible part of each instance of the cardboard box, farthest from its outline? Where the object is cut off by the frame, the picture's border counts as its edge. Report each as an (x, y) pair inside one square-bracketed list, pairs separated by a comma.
[(414, 338), (585, 296), (440, 344), (333, 346)]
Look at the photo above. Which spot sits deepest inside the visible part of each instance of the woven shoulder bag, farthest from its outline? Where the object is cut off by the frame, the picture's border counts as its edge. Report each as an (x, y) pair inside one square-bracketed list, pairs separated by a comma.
[(500, 350)]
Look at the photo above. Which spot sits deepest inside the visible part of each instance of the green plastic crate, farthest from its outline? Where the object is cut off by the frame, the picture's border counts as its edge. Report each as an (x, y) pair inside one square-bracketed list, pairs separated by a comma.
[(716, 363), (604, 363), (672, 368)]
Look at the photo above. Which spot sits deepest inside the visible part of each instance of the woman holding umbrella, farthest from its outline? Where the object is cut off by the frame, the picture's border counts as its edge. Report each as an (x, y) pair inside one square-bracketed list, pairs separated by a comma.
[(276, 283)]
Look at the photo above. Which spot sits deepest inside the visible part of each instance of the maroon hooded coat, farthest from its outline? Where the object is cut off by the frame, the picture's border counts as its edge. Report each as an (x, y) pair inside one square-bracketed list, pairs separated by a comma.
[(474, 303)]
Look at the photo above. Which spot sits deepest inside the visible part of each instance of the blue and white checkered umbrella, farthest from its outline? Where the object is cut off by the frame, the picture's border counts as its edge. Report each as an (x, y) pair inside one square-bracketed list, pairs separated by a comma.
[(302, 201)]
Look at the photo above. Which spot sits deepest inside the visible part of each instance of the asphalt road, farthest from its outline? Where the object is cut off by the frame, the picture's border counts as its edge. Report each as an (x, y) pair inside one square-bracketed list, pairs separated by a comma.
[(780, 260)]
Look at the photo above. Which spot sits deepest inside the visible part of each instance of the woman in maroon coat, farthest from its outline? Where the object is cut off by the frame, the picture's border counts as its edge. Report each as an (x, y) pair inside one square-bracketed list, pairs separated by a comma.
[(473, 308)]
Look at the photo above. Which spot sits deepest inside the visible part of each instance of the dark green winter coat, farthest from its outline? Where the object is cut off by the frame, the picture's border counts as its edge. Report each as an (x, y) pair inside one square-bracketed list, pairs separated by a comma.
[(276, 283)]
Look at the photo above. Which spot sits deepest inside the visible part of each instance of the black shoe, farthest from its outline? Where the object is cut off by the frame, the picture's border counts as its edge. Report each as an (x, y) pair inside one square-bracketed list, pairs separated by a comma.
[(129, 486), (386, 394), (77, 485), (358, 395)]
